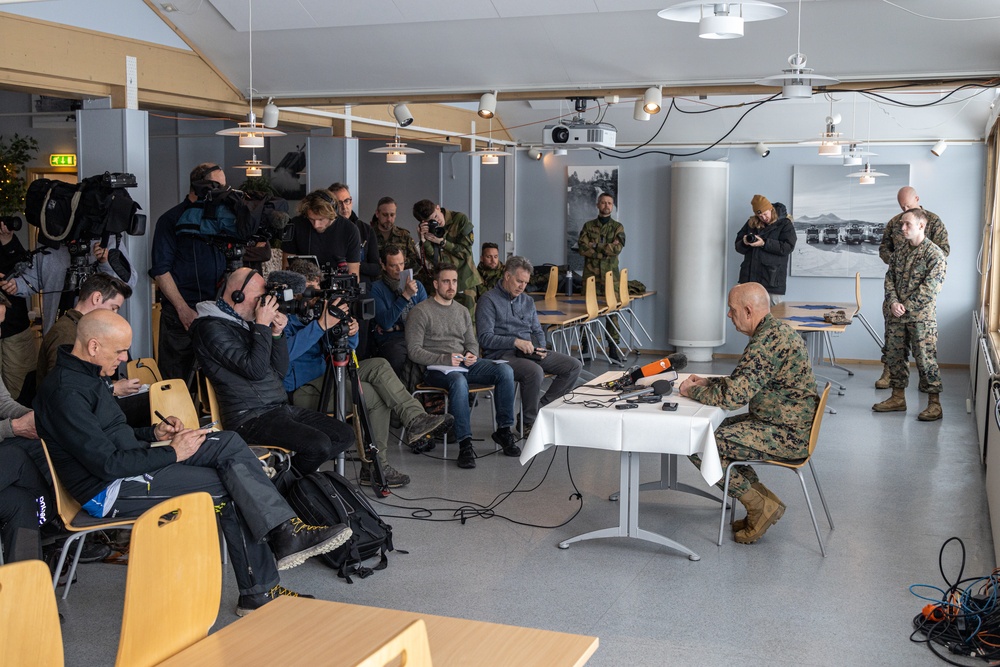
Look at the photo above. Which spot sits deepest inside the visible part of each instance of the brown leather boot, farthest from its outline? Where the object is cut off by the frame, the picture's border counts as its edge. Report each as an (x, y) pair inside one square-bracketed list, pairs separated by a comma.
[(883, 382), (740, 524), (933, 410), (762, 512), (895, 403)]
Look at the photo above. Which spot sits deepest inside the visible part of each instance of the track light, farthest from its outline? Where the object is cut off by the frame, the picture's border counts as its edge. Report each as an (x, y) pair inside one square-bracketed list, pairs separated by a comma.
[(652, 100), (270, 113), (402, 114), (488, 105), (761, 149), (534, 153), (639, 113), (939, 148)]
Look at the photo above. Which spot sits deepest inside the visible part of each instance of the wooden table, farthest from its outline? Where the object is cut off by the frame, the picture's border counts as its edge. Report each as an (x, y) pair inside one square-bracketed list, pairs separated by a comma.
[(294, 632), (817, 333)]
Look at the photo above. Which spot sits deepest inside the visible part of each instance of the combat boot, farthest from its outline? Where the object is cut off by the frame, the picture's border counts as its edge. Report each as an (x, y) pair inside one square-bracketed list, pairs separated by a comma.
[(933, 410), (883, 382), (740, 524), (895, 403), (763, 510)]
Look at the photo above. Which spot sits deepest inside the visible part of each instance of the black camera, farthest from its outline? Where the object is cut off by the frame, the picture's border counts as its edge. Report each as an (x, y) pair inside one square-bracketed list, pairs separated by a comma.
[(436, 228), (11, 222), (751, 238)]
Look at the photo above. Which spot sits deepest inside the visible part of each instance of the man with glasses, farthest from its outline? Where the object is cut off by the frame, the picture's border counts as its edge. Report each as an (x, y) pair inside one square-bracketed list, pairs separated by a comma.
[(369, 266)]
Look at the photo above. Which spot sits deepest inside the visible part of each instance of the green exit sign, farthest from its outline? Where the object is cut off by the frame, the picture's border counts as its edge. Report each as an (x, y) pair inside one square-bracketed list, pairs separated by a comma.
[(62, 160)]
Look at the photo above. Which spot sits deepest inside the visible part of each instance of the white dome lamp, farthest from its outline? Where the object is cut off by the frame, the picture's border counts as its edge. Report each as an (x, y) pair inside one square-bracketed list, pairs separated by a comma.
[(798, 80), (721, 20)]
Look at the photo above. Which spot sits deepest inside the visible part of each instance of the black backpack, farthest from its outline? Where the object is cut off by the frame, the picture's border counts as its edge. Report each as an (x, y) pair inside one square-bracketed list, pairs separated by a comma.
[(326, 498)]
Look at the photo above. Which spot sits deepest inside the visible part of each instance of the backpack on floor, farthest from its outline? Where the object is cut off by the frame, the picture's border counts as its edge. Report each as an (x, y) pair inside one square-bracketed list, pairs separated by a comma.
[(326, 498)]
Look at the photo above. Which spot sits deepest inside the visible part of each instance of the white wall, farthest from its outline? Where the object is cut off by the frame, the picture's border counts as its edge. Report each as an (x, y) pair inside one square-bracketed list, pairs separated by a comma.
[(951, 186)]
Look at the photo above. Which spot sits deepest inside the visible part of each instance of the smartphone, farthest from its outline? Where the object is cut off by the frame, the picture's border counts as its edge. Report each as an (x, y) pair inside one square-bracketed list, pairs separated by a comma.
[(405, 276), (625, 406), (669, 407), (209, 427)]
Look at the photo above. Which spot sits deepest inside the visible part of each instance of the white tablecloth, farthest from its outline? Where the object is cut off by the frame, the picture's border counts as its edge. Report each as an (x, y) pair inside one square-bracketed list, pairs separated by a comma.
[(689, 430)]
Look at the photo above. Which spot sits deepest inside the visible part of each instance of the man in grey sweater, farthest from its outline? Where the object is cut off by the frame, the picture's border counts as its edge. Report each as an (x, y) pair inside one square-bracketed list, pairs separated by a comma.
[(508, 329), (439, 335)]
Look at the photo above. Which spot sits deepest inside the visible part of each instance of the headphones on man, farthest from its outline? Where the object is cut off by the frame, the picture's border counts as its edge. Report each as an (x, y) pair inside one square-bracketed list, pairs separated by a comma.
[(238, 295)]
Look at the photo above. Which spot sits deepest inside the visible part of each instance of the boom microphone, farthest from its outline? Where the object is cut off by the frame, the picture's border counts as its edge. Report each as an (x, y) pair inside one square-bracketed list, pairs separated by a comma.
[(293, 281), (676, 362), (660, 388)]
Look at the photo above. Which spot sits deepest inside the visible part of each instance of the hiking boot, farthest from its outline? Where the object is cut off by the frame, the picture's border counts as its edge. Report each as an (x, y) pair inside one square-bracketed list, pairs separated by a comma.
[(466, 454), (393, 478), (933, 410), (425, 425), (249, 603), (763, 511), (294, 542), (504, 438), (614, 354), (740, 524), (422, 446), (895, 403), (883, 381)]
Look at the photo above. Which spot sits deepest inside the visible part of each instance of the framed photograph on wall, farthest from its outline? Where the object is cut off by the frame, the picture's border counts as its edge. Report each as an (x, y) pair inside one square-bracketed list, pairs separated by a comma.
[(583, 186), (839, 223)]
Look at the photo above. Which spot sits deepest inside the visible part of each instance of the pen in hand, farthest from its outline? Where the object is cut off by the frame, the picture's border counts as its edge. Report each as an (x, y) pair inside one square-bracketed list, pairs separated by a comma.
[(161, 417)]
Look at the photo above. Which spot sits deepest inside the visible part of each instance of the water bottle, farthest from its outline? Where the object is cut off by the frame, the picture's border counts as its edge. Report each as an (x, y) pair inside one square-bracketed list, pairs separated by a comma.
[(569, 282)]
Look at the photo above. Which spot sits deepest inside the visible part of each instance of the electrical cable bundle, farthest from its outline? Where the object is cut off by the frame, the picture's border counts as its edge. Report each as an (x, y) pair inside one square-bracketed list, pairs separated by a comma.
[(965, 619)]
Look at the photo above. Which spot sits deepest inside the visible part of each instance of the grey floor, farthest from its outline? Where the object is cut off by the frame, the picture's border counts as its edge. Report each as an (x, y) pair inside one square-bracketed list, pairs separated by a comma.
[(897, 488)]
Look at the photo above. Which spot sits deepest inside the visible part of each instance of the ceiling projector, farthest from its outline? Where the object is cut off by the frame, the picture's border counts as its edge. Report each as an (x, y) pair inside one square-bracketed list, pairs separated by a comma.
[(579, 133)]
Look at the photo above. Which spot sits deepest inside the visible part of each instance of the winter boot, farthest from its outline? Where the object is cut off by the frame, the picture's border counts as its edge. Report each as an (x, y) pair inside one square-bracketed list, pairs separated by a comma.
[(740, 524), (895, 403), (763, 510), (933, 410), (883, 382)]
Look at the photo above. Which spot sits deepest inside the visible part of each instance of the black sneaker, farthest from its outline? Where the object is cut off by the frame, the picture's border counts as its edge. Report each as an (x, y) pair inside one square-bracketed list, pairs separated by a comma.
[(425, 425), (425, 445), (505, 439), (393, 478), (249, 603), (466, 455), (294, 542)]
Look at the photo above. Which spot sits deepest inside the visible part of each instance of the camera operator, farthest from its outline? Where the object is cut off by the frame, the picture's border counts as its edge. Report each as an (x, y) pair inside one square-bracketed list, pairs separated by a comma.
[(369, 267), (319, 229), (186, 270), (384, 394), (239, 340), (766, 241), (446, 238), (17, 340)]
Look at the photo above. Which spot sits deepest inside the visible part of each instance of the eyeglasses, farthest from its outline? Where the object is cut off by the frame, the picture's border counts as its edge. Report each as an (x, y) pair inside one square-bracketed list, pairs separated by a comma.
[(349, 200)]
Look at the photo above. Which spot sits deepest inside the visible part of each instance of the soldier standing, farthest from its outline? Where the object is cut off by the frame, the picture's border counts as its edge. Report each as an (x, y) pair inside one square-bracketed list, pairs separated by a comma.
[(892, 238), (916, 272), (450, 242), (384, 222), (601, 241)]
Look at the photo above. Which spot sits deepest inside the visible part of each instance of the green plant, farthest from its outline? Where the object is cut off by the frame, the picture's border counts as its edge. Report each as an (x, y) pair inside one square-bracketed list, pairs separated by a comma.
[(15, 153)]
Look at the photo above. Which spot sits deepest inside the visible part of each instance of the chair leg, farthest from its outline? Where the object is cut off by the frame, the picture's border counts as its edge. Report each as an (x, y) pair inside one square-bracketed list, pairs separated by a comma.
[(72, 567), (725, 494), (822, 498), (812, 514)]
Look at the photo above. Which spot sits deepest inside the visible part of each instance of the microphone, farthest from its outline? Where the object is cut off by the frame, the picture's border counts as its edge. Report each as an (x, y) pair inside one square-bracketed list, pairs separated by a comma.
[(290, 280), (677, 362), (660, 388)]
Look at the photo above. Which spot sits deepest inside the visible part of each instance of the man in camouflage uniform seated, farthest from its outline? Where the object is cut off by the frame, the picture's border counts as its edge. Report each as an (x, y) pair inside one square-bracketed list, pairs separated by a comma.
[(601, 241), (490, 269), (892, 239), (387, 233), (774, 376), (912, 282), (453, 246)]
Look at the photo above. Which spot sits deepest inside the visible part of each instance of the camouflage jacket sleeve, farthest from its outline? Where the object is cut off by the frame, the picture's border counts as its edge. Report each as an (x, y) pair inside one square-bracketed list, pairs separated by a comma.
[(746, 380), (590, 235), (933, 267), (888, 244), (458, 239), (617, 243), (890, 297), (937, 233)]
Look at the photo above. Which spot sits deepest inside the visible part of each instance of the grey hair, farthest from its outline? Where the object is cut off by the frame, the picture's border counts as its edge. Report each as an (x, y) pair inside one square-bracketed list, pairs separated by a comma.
[(516, 262)]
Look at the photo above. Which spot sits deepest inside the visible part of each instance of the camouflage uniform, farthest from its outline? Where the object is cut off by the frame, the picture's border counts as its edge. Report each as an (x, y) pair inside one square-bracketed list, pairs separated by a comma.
[(775, 377), (599, 245), (490, 278), (402, 238), (457, 250), (914, 278)]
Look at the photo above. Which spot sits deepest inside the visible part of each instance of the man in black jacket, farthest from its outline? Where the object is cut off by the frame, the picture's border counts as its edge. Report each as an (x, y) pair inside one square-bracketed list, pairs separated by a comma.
[(112, 469), (370, 266), (765, 242), (239, 340)]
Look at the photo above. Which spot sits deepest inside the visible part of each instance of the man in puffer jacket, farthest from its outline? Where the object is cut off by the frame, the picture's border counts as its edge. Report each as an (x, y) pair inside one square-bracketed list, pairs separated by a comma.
[(765, 242), (239, 340)]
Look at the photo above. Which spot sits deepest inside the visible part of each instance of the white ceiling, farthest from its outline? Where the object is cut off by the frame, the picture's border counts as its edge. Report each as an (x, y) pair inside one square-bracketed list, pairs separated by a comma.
[(404, 48)]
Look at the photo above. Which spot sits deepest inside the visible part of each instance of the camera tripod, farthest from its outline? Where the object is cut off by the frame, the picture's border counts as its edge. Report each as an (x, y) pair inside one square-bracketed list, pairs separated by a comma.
[(341, 365)]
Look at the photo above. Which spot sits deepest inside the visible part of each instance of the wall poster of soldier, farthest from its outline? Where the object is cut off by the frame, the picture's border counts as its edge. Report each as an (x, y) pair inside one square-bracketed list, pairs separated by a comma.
[(583, 186), (839, 222)]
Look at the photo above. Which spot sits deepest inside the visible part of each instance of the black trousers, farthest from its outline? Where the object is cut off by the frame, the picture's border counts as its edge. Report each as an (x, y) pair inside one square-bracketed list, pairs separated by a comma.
[(393, 350), (314, 436), (176, 352), (25, 498), (225, 468)]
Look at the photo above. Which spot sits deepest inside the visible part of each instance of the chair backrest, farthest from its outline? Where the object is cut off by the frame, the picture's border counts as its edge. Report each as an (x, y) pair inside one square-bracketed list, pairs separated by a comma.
[(145, 370), (857, 289), (174, 582), (66, 505), (818, 419), (623, 296), (171, 397), (213, 402), (410, 646), (609, 291), (590, 293), (29, 620), (155, 318), (553, 287)]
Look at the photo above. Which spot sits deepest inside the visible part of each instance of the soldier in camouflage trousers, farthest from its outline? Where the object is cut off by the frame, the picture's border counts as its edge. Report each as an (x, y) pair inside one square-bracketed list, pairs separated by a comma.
[(774, 376), (916, 273), (387, 233), (892, 238), (601, 241), (454, 247), (490, 268)]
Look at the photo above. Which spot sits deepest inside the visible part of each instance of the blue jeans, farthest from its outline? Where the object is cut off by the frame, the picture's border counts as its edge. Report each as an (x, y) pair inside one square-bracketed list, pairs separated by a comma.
[(457, 383)]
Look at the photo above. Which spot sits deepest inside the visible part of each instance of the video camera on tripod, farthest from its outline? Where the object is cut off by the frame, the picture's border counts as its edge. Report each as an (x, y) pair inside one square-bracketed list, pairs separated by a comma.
[(337, 288)]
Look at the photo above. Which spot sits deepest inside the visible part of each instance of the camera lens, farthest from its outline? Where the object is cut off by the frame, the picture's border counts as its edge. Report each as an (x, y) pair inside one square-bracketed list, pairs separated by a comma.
[(11, 222), (560, 135)]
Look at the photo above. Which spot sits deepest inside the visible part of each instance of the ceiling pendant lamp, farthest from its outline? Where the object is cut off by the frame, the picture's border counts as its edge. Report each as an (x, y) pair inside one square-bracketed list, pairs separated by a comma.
[(254, 167), (798, 80), (396, 151), (489, 155), (721, 20), (867, 175)]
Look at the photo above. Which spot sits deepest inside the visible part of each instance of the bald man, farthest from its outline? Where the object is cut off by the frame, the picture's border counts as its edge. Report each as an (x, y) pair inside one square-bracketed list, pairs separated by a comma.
[(774, 376), (894, 239), (240, 342), (112, 470)]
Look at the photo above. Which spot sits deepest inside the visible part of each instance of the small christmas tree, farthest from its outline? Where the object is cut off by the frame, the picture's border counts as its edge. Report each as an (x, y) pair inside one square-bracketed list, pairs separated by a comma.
[(15, 153)]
